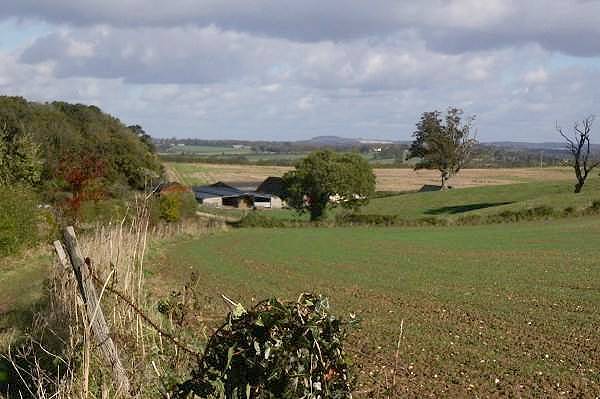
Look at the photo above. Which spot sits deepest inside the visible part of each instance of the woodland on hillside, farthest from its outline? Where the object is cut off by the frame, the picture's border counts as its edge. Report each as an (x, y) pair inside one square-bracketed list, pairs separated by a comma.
[(58, 161)]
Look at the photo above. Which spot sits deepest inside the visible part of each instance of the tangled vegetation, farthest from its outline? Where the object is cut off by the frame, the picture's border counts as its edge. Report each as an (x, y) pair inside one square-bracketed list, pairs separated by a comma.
[(64, 157), (68, 134), (275, 350)]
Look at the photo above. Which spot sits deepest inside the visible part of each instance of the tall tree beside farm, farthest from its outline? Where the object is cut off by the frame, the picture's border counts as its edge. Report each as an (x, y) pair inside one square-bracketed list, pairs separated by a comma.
[(578, 144), (325, 179), (443, 143)]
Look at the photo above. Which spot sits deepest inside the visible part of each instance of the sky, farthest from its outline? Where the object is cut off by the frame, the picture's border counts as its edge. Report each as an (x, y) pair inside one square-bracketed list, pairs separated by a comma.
[(295, 69)]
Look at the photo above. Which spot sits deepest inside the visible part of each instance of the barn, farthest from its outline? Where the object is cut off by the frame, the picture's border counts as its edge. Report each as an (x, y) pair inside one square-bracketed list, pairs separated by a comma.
[(224, 195), (272, 185)]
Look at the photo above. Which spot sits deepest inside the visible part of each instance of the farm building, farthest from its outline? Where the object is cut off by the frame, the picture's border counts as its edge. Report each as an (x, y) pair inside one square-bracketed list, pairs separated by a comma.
[(223, 195), (272, 185)]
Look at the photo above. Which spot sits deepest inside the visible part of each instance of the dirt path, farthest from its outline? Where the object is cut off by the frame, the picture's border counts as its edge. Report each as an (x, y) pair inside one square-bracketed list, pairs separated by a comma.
[(173, 174)]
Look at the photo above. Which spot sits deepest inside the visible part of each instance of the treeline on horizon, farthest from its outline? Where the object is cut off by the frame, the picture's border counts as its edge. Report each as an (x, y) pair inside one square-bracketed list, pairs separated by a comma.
[(484, 155)]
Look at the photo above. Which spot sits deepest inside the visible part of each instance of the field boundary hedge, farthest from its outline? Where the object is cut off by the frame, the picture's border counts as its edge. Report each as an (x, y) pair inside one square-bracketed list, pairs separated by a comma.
[(542, 212)]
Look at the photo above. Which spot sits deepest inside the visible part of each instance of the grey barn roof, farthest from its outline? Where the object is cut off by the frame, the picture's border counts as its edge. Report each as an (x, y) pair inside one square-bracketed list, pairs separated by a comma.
[(216, 190), (223, 190), (272, 185)]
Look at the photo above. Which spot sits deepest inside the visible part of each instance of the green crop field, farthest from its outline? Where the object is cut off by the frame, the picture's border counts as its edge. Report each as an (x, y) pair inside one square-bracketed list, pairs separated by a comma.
[(485, 311)]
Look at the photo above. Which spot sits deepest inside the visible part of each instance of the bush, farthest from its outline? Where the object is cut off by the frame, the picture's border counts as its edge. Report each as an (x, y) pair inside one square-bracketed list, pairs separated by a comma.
[(543, 211), (19, 219), (474, 219), (102, 211), (539, 212), (174, 207), (595, 206), (569, 211), (275, 350), (189, 205), (170, 208), (433, 221), (375, 220)]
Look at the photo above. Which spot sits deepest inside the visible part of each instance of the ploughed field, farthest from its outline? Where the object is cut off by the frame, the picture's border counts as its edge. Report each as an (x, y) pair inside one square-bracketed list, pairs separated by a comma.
[(488, 310), (391, 179)]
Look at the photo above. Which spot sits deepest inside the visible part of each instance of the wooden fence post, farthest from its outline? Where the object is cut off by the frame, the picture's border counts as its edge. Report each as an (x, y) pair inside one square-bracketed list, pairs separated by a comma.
[(60, 251), (100, 330)]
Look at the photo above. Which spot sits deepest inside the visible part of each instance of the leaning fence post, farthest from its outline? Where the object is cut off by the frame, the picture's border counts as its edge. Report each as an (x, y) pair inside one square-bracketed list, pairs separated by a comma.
[(60, 251), (100, 330)]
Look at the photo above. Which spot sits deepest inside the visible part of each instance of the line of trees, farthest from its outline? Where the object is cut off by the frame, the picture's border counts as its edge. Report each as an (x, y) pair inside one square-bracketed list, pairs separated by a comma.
[(63, 155)]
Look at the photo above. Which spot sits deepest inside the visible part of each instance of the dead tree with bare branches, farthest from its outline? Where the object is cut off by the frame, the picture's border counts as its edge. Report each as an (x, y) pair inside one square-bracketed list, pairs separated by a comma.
[(578, 144)]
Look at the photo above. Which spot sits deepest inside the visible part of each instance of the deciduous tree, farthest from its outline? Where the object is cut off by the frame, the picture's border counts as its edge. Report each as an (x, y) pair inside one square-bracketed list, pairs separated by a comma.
[(328, 179), (443, 143)]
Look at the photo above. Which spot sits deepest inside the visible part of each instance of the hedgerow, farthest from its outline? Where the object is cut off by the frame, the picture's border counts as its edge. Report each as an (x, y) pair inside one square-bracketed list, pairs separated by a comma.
[(541, 212)]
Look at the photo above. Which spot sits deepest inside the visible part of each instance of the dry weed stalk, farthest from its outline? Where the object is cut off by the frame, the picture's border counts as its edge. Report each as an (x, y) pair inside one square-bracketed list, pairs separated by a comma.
[(116, 254)]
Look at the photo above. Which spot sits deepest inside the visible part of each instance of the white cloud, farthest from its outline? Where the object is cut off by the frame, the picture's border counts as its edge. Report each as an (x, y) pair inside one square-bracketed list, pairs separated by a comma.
[(290, 69), (537, 76)]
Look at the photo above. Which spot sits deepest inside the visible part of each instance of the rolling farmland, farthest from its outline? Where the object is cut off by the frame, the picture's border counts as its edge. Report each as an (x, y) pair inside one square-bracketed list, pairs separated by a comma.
[(486, 310), (387, 179)]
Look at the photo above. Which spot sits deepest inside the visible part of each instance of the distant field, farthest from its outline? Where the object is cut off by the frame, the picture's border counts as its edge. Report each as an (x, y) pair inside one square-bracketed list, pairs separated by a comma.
[(196, 173), (387, 179), (208, 150), (488, 311), (225, 152)]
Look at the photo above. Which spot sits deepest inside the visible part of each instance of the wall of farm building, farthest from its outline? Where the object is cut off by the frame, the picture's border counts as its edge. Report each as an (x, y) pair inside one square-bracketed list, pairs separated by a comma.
[(216, 202), (276, 203), (262, 204)]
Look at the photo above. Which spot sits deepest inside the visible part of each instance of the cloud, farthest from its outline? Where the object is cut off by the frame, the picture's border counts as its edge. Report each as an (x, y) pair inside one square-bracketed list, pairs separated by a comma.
[(145, 55), (451, 26), (537, 76), (294, 69), (210, 55)]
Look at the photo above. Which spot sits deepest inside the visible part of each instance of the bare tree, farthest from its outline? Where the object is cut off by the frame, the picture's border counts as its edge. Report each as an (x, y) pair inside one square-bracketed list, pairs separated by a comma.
[(578, 143)]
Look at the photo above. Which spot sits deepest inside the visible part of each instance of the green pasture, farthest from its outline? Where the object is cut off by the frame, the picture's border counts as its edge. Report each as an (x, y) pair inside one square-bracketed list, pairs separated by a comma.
[(485, 200), (485, 310)]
